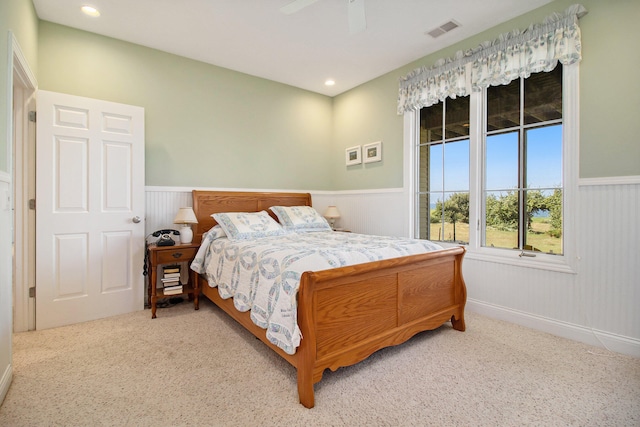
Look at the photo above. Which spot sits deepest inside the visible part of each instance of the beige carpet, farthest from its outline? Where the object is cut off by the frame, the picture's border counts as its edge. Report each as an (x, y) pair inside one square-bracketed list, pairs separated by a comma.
[(199, 368)]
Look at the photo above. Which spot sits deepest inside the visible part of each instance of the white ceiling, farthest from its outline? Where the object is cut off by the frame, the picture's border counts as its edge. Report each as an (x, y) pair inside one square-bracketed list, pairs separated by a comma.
[(302, 49)]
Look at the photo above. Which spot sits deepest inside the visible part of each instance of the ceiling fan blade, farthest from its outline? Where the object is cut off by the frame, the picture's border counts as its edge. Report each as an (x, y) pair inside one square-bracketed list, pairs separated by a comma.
[(295, 6), (357, 18)]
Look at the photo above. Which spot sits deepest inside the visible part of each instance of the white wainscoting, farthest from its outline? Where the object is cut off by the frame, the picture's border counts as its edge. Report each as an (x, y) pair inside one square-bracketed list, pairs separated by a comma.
[(162, 205), (598, 305), (6, 285), (378, 212)]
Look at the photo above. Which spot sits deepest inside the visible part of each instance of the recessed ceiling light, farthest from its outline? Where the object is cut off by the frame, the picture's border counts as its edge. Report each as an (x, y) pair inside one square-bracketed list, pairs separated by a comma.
[(329, 82), (90, 10)]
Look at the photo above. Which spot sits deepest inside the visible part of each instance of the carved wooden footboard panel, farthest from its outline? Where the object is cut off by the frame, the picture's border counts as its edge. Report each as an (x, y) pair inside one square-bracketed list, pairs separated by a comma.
[(348, 313)]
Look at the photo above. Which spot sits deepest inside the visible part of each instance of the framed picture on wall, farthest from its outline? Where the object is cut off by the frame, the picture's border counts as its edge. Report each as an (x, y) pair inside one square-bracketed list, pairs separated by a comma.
[(352, 156), (372, 152)]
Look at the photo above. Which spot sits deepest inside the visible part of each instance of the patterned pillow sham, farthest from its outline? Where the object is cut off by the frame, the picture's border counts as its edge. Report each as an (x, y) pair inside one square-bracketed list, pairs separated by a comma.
[(300, 218), (248, 225)]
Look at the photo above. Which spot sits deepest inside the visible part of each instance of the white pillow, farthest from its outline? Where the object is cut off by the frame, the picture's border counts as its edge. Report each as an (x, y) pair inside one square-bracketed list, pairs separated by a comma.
[(300, 218), (248, 225)]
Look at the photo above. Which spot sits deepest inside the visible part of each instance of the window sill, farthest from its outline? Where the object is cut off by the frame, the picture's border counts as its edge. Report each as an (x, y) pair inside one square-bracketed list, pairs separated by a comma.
[(557, 263)]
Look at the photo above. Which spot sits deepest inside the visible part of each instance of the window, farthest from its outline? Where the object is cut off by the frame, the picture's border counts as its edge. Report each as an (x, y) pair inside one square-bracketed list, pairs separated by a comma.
[(522, 200), (498, 182), (522, 146), (443, 189)]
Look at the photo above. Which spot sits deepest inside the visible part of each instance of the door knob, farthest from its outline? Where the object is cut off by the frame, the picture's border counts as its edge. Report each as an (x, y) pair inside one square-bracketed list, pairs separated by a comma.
[(136, 219)]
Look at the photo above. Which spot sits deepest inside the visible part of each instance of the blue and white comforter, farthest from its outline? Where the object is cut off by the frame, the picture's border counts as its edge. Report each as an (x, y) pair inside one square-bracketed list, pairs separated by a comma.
[(263, 275)]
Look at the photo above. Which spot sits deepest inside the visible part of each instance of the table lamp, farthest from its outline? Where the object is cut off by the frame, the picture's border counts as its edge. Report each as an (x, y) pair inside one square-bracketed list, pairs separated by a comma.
[(186, 217), (332, 213)]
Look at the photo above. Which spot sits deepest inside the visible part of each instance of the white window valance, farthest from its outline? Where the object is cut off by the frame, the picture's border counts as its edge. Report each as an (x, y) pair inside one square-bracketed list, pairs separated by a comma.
[(510, 56)]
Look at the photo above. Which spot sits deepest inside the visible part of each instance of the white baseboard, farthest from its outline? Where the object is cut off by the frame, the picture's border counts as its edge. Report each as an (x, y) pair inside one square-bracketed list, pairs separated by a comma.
[(607, 340), (5, 382)]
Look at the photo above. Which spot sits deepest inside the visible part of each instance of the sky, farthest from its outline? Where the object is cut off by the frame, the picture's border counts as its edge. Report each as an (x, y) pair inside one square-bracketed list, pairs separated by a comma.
[(544, 161)]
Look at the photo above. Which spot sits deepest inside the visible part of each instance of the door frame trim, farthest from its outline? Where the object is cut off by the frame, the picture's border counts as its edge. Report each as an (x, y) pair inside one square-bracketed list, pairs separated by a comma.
[(21, 133)]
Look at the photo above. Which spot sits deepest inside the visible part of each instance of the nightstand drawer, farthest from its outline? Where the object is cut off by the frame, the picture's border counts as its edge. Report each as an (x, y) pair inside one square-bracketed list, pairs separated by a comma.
[(177, 255)]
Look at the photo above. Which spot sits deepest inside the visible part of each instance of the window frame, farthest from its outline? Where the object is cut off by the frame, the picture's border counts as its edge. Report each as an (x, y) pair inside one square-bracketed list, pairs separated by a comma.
[(566, 263)]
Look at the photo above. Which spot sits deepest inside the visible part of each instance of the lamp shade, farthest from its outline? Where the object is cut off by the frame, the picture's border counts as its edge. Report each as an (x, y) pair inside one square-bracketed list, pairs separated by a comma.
[(185, 216), (332, 212)]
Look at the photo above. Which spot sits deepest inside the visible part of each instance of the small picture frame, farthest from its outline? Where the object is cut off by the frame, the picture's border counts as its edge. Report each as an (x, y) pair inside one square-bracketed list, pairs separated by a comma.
[(372, 152), (353, 156)]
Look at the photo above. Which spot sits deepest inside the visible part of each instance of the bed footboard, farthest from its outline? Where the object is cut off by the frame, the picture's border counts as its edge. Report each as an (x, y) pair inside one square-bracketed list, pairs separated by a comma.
[(347, 314)]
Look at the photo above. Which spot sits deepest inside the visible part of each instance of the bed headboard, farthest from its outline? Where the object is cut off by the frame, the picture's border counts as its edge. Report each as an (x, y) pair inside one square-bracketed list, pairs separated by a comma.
[(206, 203)]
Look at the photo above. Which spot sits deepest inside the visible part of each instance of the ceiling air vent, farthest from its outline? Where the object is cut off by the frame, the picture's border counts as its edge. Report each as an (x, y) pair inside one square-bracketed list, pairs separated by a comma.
[(444, 28)]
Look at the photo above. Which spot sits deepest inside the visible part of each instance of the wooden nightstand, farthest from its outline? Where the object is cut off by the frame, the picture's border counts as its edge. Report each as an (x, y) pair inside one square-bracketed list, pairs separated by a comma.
[(160, 255)]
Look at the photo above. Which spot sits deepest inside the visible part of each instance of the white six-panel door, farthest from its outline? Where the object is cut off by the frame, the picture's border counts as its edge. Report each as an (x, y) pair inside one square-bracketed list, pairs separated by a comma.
[(89, 209)]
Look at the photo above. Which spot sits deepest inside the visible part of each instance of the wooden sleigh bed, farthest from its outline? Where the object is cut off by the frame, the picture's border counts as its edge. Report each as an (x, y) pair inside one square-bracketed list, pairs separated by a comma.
[(346, 314)]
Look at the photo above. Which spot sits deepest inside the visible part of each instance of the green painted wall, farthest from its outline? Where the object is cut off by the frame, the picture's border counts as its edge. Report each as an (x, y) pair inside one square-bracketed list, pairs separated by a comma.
[(209, 126), (206, 126), (609, 101), (19, 17), (363, 115), (608, 104)]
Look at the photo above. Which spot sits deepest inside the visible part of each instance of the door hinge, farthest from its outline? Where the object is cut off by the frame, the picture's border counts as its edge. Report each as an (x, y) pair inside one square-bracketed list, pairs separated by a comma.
[(32, 116), (32, 292), (32, 204)]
